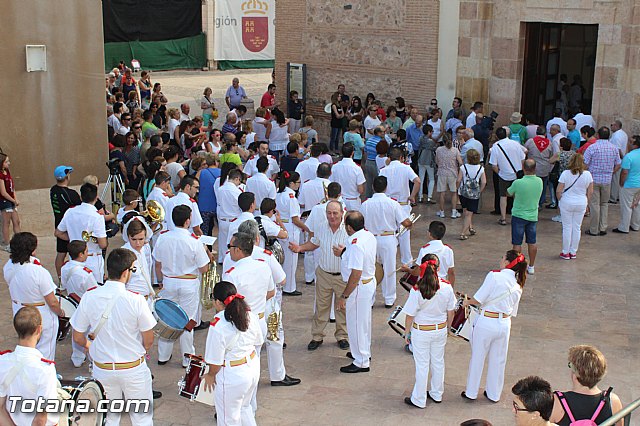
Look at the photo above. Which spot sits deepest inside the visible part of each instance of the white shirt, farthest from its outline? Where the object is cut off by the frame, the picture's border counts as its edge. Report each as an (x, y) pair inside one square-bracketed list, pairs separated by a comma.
[(360, 255), (444, 253), (184, 117), (76, 278), (471, 120), (279, 137), (84, 217), (287, 204), (174, 169), (226, 343), (182, 199), (253, 280), (382, 214), (262, 187), (473, 171), (157, 194), (124, 130), (120, 339), (398, 177), (260, 253), (371, 123), (381, 162), (260, 129), (312, 193), (37, 380), (233, 226), (349, 175), (324, 237), (516, 154), (307, 169), (495, 285), (271, 228), (577, 194), (318, 215), (28, 283), (173, 123), (619, 138), (251, 169), (560, 122), (227, 199), (584, 120), (114, 122), (140, 281), (180, 253), (432, 311)]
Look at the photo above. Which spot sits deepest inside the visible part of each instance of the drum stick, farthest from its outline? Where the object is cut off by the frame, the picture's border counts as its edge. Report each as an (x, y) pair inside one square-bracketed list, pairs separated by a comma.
[(407, 265)]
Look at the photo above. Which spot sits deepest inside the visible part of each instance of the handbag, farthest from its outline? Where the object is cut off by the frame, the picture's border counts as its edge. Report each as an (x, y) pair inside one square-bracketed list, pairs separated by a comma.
[(519, 173), (574, 182)]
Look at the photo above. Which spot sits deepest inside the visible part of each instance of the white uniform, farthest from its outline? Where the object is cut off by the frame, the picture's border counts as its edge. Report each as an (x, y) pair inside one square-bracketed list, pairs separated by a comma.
[(34, 377), (262, 187), (271, 228), (444, 253), (360, 255), (182, 199), (250, 168), (227, 212), (398, 177), (307, 169), (28, 284), (428, 342), (141, 219), (233, 227), (382, 217), (181, 255), (85, 217), (140, 281), (499, 295), (118, 341), (349, 175), (237, 380), (287, 205), (309, 196)]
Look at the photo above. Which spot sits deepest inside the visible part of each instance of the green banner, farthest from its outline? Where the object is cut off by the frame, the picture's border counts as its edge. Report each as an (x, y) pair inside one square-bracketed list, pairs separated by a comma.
[(181, 53), (229, 65)]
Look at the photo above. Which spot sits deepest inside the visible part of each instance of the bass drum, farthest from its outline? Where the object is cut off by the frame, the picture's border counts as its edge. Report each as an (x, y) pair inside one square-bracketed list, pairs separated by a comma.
[(69, 304), (87, 393)]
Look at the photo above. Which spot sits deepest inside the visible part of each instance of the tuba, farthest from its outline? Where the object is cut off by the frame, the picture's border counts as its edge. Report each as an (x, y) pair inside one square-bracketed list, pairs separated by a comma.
[(208, 281), (88, 236), (154, 213), (413, 218)]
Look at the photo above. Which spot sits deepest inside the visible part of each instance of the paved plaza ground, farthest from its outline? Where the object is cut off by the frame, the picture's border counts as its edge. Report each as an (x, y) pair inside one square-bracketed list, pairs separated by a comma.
[(585, 301)]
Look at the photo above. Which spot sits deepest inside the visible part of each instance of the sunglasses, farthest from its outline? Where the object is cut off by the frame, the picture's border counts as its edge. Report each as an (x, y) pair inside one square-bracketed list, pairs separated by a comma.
[(137, 128), (229, 246), (133, 269), (434, 103)]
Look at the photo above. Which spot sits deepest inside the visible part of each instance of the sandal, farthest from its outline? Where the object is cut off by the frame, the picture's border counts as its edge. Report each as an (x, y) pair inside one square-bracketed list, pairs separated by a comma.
[(472, 231), (502, 222), (464, 237)]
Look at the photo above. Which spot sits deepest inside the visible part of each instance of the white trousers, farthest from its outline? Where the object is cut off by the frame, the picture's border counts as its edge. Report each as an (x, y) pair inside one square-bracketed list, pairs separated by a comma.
[(50, 325), (628, 217), (294, 125), (275, 355), (428, 353), (234, 389), (405, 240), (615, 186), (571, 215), (430, 172), (185, 294), (290, 258), (386, 255), (310, 266), (490, 336), (96, 264), (359, 322), (352, 203), (77, 354), (223, 231), (133, 383)]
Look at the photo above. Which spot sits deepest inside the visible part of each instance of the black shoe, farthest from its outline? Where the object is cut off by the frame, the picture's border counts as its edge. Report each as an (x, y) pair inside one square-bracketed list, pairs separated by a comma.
[(352, 368), (284, 345), (407, 400), (314, 344), (351, 356), (164, 362), (593, 235), (292, 293), (202, 326), (288, 381), (310, 282), (617, 231), (613, 202), (495, 213), (388, 306), (464, 395), (343, 344), (429, 397), (485, 395), (332, 321), (157, 394), (602, 233)]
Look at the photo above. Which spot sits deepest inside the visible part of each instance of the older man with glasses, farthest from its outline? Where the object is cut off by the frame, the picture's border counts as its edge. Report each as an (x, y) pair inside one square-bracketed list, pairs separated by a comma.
[(235, 94)]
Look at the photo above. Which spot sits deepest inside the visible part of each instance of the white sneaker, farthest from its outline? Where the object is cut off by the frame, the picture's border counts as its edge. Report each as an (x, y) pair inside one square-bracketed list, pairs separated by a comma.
[(531, 270), (455, 214), (557, 218), (440, 213)]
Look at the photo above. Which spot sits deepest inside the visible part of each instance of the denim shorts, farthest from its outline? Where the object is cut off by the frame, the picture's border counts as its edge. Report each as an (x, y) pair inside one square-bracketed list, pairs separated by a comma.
[(521, 228), (6, 205)]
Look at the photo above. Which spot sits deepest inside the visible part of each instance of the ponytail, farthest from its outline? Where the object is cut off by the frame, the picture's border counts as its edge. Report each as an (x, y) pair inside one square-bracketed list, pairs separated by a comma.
[(518, 264), (236, 309), (429, 283), (286, 178)]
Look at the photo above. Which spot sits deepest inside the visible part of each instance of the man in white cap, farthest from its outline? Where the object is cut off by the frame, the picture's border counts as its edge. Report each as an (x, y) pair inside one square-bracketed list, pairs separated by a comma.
[(62, 198), (518, 131)]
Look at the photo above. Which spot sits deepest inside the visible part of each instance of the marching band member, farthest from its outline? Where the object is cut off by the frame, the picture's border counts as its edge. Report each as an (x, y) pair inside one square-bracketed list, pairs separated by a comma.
[(161, 193), (270, 221), (189, 187), (261, 185), (247, 203), (382, 217), (498, 298), (140, 281), (180, 257), (230, 351), (30, 284), (429, 312), (228, 209), (358, 267), (76, 280), (444, 252), (307, 168), (398, 177), (121, 326), (25, 373), (289, 210), (350, 177), (251, 168), (85, 218)]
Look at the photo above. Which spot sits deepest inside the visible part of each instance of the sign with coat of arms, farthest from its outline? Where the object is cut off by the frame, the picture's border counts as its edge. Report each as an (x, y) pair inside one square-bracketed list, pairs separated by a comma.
[(244, 30)]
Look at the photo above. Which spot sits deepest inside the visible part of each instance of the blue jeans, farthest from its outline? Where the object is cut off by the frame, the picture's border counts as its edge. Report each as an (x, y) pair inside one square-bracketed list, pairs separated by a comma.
[(521, 228), (335, 138)]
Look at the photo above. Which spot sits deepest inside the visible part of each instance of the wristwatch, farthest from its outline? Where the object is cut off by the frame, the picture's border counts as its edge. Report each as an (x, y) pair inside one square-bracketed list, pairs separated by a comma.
[(345, 297)]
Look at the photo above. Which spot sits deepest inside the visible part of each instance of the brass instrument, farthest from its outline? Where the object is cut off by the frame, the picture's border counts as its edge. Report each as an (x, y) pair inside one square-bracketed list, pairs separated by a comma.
[(154, 213), (273, 324), (208, 281), (88, 236), (413, 218)]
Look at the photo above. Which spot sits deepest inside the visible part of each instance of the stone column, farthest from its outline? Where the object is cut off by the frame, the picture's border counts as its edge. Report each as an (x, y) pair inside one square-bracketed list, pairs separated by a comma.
[(209, 28), (448, 30)]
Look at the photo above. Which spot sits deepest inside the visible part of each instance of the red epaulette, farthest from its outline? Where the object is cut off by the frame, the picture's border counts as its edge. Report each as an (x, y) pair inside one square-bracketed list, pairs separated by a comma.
[(192, 200), (416, 288), (232, 268), (5, 352), (449, 246), (37, 262), (271, 156), (195, 236), (165, 194), (65, 262), (260, 260), (495, 270), (72, 207), (292, 195), (131, 291), (355, 240), (426, 245), (227, 252), (445, 281), (87, 270), (48, 361), (252, 157), (214, 322), (164, 232), (269, 252), (92, 288)]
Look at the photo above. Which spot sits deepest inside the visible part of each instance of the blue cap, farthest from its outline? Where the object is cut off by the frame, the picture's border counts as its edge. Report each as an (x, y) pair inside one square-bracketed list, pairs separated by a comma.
[(61, 172)]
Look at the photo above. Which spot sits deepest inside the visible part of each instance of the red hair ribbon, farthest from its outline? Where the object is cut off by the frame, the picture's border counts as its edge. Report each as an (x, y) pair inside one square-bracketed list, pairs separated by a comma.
[(231, 298), (286, 174), (424, 266), (515, 261)]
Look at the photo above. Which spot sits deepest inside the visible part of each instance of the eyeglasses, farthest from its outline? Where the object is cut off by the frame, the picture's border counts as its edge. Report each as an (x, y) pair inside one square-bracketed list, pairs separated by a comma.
[(137, 128), (229, 246), (517, 408), (126, 119), (133, 269)]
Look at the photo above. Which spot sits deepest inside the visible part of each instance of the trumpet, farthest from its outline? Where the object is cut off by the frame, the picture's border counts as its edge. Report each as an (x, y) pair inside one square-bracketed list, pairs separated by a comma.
[(413, 218), (208, 281), (88, 236)]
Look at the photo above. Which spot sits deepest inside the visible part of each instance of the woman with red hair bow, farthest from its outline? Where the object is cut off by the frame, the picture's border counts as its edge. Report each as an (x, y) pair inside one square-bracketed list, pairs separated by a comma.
[(231, 343), (498, 298), (429, 312)]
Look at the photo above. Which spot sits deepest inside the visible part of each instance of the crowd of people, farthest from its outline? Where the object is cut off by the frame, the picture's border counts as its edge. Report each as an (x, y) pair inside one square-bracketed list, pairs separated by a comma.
[(270, 189)]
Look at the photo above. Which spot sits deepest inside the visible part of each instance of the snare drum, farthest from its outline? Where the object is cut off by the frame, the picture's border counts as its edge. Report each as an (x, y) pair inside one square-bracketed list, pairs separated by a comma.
[(396, 320), (172, 319), (90, 392), (463, 318), (189, 384), (408, 281), (69, 304)]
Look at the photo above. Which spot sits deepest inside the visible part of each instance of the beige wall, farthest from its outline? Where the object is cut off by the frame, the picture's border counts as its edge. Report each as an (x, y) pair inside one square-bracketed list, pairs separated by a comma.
[(57, 116)]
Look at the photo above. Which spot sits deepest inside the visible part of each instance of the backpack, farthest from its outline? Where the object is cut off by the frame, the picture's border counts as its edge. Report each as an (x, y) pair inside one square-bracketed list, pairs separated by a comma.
[(584, 422), (470, 188), (515, 135)]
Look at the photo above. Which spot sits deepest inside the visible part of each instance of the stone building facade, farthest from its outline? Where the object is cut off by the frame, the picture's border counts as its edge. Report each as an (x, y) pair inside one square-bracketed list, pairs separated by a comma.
[(397, 48)]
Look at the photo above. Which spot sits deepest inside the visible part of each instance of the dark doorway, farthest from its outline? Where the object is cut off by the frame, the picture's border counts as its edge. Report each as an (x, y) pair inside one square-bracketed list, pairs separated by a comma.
[(551, 51)]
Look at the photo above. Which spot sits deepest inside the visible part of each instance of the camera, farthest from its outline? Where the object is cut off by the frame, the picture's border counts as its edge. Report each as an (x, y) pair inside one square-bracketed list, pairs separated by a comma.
[(113, 166), (489, 120)]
